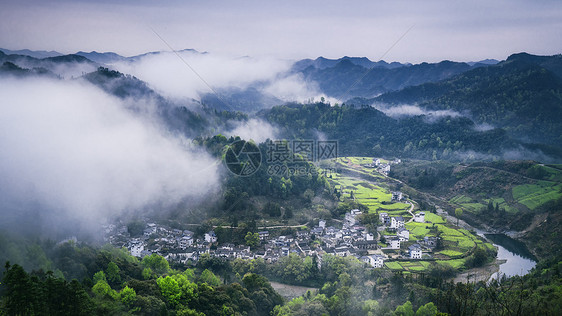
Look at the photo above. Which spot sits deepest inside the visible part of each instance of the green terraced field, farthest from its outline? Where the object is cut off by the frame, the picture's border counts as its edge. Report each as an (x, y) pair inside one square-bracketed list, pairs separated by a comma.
[(434, 218), (455, 263), (467, 203), (417, 230), (393, 265), (451, 253), (535, 195)]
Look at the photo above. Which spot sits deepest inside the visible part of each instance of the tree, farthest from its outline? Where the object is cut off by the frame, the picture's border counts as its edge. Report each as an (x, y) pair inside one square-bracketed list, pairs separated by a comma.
[(458, 214), (428, 309), (170, 289), (156, 263), (99, 276), (252, 239), (18, 291), (128, 296), (210, 278), (103, 290), (113, 273), (405, 309)]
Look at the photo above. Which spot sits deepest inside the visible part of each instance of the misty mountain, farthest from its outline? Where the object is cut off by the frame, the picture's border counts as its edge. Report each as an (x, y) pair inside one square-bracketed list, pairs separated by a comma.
[(236, 99), (191, 118), (102, 58), (11, 69), (486, 61), (522, 95), (366, 131), (343, 77), (323, 63), (62, 65), (31, 53)]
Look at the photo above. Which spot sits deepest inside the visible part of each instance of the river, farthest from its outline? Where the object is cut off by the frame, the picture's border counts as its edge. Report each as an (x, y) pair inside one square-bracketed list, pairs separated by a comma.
[(518, 259)]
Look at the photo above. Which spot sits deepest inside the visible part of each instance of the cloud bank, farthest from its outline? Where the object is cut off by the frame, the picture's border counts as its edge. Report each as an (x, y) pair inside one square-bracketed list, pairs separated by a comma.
[(254, 129), (406, 110), (74, 154), (192, 74)]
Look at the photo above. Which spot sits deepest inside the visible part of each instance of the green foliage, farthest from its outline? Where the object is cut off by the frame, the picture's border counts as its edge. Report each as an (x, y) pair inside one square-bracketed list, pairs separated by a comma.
[(366, 131), (252, 239), (99, 276), (128, 296), (170, 289), (405, 309), (428, 309), (147, 273), (103, 290), (210, 278), (113, 273), (458, 214), (156, 263)]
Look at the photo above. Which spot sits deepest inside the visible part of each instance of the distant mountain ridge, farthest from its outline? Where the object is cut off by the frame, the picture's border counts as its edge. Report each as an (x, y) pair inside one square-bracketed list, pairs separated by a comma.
[(31, 53), (322, 63), (346, 79), (522, 94)]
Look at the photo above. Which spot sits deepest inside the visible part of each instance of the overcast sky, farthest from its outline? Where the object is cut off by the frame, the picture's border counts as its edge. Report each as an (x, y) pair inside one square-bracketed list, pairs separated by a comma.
[(454, 30)]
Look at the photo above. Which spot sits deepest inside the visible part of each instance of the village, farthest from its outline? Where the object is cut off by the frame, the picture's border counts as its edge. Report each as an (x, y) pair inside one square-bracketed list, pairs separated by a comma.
[(391, 241)]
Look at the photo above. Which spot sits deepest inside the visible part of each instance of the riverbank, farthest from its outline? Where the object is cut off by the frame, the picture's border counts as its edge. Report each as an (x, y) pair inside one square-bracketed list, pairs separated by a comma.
[(291, 291), (479, 274)]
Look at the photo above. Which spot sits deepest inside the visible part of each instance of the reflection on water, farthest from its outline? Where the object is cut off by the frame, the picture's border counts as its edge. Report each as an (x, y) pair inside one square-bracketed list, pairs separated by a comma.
[(519, 261)]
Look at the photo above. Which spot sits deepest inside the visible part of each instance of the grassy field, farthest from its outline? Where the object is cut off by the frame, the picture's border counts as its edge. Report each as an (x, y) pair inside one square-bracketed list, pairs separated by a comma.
[(467, 203), (535, 195)]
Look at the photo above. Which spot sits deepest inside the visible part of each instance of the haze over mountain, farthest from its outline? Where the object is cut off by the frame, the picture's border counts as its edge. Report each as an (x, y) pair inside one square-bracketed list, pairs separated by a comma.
[(519, 95)]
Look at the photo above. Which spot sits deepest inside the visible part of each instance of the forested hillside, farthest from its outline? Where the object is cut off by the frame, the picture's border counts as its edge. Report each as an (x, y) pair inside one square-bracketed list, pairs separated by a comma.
[(522, 95)]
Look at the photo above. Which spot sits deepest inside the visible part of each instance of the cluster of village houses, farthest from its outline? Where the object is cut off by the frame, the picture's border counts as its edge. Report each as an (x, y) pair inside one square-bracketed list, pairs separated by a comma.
[(351, 240)]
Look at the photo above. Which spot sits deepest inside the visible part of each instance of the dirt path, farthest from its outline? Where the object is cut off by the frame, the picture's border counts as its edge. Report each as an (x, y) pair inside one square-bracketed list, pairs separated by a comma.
[(410, 211)]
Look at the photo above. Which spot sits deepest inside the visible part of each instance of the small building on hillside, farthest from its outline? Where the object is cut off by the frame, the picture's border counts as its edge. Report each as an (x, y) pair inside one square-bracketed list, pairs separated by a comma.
[(264, 235), (415, 251), (393, 242), (397, 222), (419, 217), (375, 261), (210, 237), (384, 219), (403, 234), (397, 196)]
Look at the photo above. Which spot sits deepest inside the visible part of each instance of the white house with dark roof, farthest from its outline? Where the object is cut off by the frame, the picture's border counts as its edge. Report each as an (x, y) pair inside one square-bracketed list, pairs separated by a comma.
[(397, 222), (384, 219), (393, 242), (415, 251), (264, 235), (403, 234), (375, 261), (210, 237), (419, 217), (397, 196)]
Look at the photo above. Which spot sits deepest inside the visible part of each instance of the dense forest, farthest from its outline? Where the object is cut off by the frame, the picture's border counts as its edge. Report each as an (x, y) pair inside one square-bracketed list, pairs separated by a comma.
[(521, 95), (365, 131)]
